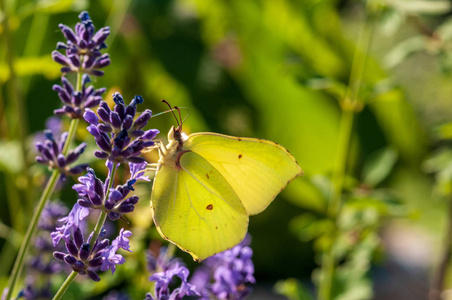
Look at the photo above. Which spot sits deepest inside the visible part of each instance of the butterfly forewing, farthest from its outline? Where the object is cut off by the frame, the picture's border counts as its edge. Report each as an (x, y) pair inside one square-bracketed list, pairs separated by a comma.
[(256, 169), (196, 208)]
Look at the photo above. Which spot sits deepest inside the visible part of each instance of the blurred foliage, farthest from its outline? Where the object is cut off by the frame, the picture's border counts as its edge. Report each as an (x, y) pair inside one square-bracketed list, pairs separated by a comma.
[(277, 70)]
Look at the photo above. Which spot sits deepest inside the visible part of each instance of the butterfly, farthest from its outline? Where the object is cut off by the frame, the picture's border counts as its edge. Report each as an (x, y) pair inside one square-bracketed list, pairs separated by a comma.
[(207, 185)]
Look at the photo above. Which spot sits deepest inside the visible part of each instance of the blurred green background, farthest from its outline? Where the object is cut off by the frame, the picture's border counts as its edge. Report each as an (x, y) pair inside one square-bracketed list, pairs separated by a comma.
[(273, 69)]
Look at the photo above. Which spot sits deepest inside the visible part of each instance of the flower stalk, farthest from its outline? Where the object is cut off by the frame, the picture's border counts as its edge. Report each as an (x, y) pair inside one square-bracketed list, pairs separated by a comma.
[(48, 191), (350, 105)]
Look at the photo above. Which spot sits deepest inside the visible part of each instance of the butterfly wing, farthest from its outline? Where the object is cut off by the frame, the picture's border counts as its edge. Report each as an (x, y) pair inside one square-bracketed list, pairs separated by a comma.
[(256, 169), (196, 208)]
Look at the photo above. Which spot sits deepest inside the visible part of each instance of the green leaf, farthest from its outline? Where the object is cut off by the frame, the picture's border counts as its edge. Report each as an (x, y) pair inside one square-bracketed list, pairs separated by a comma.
[(423, 6), (10, 158), (378, 166), (27, 66), (404, 49), (292, 289)]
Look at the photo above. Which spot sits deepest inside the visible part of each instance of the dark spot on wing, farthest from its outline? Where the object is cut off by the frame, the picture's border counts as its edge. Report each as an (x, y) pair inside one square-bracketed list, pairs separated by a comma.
[(209, 207), (240, 156), (239, 139), (207, 175), (216, 227)]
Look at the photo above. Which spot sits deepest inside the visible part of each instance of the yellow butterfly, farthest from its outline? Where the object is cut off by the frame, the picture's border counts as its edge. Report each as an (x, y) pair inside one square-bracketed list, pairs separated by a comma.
[(207, 185)]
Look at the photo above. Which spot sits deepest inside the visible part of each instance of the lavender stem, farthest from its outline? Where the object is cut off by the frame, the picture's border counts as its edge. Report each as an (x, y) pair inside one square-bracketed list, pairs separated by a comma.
[(50, 187), (65, 285)]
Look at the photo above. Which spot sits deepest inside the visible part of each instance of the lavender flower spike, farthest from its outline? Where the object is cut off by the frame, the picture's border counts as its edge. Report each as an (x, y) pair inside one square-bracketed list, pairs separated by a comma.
[(75, 102), (86, 261), (231, 274), (92, 193), (50, 154), (163, 280), (83, 48), (120, 136)]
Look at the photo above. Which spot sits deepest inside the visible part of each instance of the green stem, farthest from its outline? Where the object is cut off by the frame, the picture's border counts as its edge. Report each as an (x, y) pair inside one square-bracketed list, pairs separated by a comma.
[(19, 263), (65, 285), (350, 105), (97, 229), (328, 258), (103, 215), (50, 187)]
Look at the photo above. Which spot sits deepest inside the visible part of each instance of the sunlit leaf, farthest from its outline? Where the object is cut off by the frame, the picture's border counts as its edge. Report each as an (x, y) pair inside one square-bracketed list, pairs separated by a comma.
[(10, 157), (378, 166), (27, 66), (292, 289), (404, 49), (430, 7)]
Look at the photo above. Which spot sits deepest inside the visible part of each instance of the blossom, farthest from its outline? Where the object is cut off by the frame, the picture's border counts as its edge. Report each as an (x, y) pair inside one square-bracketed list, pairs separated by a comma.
[(164, 279), (71, 222), (226, 275), (50, 154), (75, 102), (83, 48), (86, 261), (119, 136), (161, 262), (91, 191)]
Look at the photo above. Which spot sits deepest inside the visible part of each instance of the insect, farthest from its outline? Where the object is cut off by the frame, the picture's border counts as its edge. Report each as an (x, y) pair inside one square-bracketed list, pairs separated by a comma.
[(207, 185)]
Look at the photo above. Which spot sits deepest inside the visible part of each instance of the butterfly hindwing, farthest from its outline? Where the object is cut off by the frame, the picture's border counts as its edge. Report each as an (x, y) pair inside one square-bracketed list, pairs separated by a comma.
[(196, 208)]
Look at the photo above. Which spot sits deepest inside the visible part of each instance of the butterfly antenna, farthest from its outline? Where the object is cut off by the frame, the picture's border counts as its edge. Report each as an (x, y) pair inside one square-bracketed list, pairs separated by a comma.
[(172, 110), (180, 116)]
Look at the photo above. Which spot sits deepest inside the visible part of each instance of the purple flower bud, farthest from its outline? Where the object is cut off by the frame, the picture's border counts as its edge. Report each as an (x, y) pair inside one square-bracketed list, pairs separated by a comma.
[(96, 262), (68, 33), (113, 216), (93, 276), (74, 61), (104, 114), (100, 154), (60, 58), (97, 73), (126, 208), (136, 133), (136, 160), (150, 134), (59, 255), (78, 237), (85, 203), (78, 169), (71, 247), (105, 128), (128, 122), (61, 160), (142, 120), (69, 259), (90, 117), (115, 120), (84, 251)]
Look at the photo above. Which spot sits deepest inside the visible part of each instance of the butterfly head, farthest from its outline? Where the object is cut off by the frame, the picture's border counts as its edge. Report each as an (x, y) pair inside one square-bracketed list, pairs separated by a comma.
[(175, 135)]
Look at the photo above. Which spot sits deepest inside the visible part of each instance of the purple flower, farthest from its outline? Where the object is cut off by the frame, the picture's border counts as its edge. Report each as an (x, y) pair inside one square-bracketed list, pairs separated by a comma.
[(86, 261), (91, 191), (161, 262), (71, 222), (111, 258), (83, 48), (163, 281), (50, 214), (226, 275), (50, 154), (115, 295), (75, 102), (120, 136)]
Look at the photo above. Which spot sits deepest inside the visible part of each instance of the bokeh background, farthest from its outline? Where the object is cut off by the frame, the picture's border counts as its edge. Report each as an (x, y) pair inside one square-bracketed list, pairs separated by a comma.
[(283, 70)]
